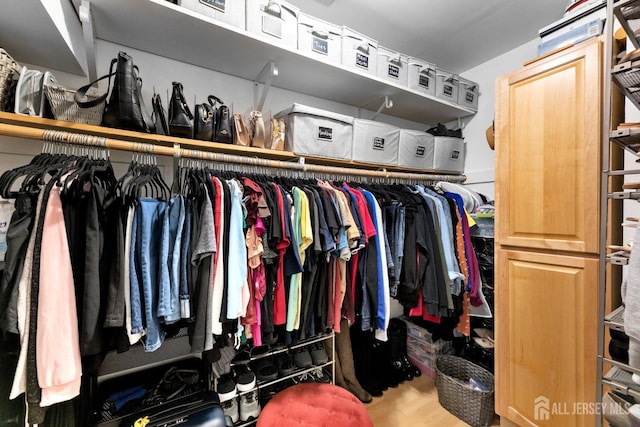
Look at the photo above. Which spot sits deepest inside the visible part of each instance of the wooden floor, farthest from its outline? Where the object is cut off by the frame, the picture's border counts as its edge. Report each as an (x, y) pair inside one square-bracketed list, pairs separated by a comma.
[(413, 404)]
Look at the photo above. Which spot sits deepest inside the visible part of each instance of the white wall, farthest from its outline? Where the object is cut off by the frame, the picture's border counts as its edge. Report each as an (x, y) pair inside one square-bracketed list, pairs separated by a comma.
[(479, 165)]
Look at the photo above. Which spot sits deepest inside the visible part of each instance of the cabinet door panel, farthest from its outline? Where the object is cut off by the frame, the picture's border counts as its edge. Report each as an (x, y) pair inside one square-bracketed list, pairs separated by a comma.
[(548, 152), (546, 333)]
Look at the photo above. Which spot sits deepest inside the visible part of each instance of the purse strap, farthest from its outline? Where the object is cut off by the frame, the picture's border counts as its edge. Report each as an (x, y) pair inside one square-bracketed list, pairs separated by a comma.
[(215, 101), (80, 93), (182, 100)]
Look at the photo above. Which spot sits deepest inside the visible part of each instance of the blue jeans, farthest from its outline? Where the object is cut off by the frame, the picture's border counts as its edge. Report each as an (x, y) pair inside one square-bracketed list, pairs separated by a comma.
[(169, 280)]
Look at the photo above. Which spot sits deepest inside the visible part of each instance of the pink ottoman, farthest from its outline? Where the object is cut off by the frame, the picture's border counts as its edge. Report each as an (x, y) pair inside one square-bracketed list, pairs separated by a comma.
[(314, 404)]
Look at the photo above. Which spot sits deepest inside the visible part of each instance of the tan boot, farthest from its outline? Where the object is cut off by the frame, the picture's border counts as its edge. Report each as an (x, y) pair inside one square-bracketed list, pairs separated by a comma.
[(345, 354)]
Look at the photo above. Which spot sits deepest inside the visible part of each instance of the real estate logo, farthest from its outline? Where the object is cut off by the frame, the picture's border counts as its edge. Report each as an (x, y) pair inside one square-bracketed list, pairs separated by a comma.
[(541, 408)]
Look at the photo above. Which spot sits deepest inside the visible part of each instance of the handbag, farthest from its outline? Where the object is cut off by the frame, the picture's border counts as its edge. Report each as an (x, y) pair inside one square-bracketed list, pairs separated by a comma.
[(30, 93), (204, 121), (224, 125), (180, 117), (125, 109), (159, 115)]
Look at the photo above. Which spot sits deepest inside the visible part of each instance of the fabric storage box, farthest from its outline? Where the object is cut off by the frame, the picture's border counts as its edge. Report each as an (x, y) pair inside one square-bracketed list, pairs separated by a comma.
[(393, 66), (375, 142), (277, 20), (231, 12), (319, 38), (422, 76), (415, 150), (446, 86), (426, 347), (315, 132), (448, 154), (468, 92), (359, 52)]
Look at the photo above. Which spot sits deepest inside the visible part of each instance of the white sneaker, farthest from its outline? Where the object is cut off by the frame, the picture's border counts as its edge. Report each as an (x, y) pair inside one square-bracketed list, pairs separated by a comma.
[(230, 409), (249, 406)]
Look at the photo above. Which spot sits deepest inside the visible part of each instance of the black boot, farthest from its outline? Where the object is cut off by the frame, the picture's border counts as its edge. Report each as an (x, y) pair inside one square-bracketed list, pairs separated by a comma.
[(397, 344), (400, 329), (363, 361)]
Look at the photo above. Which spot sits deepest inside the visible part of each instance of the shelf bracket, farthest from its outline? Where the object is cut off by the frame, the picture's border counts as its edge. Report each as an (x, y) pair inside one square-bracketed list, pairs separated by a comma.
[(88, 30), (265, 76), (387, 103)]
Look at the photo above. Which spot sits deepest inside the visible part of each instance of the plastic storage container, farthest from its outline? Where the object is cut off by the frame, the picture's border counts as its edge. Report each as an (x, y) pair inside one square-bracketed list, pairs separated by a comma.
[(422, 76), (359, 52), (415, 150), (393, 66), (276, 20), (468, 92), (315, 132), (447, 86), (375, 142), (231, 12), (448, 154), (319, 38)]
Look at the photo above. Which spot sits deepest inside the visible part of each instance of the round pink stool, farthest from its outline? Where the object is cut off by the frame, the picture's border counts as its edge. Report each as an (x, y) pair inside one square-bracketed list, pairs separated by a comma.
[(314, 405)]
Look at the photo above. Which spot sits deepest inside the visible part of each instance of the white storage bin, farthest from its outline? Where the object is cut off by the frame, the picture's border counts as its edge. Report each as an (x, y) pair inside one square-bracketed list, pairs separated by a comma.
[(422, 76), (359, 52), (319, 38), (468, 92), (231, 12), (448, 154), (416, 149), (276, 20), (315, 132), (447, 86), (393, 66), (375, 142)]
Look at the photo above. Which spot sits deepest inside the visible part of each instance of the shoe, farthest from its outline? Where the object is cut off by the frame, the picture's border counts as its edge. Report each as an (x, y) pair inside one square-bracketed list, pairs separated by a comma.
[(265, 370), (302, 358), (304, 378), (616, 410), (318, 354), (285, 365), (249, 406), (226, 388), (245, 378), (257, 129), (320, 376)]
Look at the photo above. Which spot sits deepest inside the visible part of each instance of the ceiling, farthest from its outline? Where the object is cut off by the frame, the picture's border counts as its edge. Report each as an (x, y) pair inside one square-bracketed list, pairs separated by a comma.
[(453, 34)]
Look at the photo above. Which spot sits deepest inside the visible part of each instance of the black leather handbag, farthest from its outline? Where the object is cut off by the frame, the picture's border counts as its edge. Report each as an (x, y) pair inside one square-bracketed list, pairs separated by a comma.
[(125, 109), (224, 125), (180, 117), (159, 115), (204, 121)]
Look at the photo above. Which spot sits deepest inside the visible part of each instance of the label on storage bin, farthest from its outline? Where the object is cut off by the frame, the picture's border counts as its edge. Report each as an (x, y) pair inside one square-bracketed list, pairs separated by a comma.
[(325, 134), (424, 81), (420, 150), (320, 46), (469, 97), (216, 4), (272, 26), (362, 61), (378, 143), (393, 71), (447, 90), (455, 154)]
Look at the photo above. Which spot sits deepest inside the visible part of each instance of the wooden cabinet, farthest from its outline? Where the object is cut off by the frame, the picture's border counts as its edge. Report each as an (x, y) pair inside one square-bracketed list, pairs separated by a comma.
[(548, 118), (546, 335), (548, 132)]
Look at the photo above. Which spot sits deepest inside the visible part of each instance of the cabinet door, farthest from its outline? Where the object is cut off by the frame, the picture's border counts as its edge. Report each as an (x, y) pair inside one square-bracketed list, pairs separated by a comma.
[(548, 132), (546, 338)]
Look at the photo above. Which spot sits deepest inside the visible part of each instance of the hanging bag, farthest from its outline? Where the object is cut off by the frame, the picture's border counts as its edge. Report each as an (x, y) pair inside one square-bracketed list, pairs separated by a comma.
[(159, 115), (224, 126), (125, 109), (180, 117), (204, 121)]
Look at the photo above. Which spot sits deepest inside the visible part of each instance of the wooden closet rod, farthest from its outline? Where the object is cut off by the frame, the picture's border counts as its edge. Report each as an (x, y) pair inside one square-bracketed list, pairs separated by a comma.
[(117, 144)]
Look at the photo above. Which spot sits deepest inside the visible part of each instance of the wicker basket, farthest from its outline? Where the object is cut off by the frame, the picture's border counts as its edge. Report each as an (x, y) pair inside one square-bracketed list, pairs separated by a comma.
[(64, 107), (472, 406), (9, 73)]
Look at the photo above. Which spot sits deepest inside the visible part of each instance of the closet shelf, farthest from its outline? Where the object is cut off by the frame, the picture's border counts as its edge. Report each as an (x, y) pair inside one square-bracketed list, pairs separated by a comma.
[(203, 41), (628, 138), (293, 375), (618, 258), (615, 319), (626, 75), (36, 128), (284, 349), (620, 381), (633, 195)]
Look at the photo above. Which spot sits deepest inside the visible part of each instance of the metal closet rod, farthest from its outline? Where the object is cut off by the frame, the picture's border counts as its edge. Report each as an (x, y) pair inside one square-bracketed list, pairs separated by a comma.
[(117, 144)]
